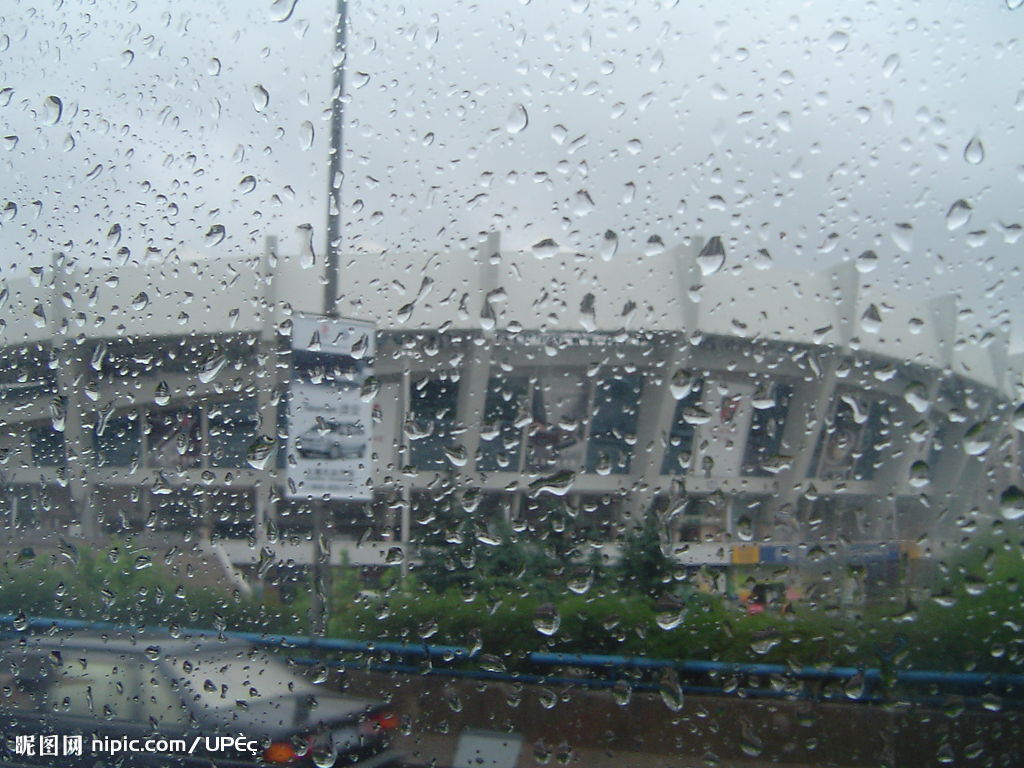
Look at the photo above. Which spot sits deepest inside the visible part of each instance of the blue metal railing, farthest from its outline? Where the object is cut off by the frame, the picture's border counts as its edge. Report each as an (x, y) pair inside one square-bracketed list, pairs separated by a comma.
[(606, 671)]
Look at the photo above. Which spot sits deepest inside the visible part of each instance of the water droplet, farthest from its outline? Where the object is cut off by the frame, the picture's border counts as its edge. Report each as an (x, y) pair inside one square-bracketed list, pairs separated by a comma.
[(214, 66), (958, 215), (762, 259), (974, 152), (903, 236), (581, 581), (582, 204), (282, 10), (838, 41), (142, 561), (654, 246), (588, 314), (215, 235), (58, 414), (670, 690), (557, 484), (920, 474), (622, 692), (127, 57), (890, 65), (711, 257), (162, 396), (517, 120), (917, 396), (394, 556), (53, 109), (669, 612), (260, 98), (369, 389), (696, 416), (10, 142), (682, 384), (247, 184), (141, 301), (1013, 5), (1018, 418), (745, 529), (21, 621), (260, 451), (976, 441), (547, 621), (456, 455), (68, 550), (211, 368), (1011, 503), (548, 699), (609, 245), (545, 249), (306, 135), (360, 80), (867, 262), (871, 320), (307, 254)]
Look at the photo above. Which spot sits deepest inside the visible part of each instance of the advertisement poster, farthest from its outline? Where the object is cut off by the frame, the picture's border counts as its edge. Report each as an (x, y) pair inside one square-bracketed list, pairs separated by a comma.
[(330, 409)]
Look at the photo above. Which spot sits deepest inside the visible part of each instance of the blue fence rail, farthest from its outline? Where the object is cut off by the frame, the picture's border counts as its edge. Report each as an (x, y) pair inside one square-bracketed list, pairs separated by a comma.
[(752, 680)]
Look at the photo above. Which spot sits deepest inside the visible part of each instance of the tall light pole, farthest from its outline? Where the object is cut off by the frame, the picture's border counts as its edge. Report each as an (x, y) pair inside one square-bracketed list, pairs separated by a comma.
[(321, 567)]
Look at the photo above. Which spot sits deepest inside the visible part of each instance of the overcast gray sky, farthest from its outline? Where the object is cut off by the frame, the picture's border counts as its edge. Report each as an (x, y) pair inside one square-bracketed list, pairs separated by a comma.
[(816, 130)]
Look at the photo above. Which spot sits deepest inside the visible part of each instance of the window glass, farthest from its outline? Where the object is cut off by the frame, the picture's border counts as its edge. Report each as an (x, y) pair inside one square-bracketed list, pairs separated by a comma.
[(174, 438), (559, 404), (560, 383), (502, 428), (613, 424), (117, 441), (232, 431), (433, 409)]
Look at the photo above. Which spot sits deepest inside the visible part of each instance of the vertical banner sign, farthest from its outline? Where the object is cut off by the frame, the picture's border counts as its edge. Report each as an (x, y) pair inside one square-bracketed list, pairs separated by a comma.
[(330, 424)]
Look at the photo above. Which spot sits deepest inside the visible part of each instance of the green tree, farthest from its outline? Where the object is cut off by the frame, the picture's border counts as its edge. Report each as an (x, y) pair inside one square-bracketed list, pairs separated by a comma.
[(644, 567)]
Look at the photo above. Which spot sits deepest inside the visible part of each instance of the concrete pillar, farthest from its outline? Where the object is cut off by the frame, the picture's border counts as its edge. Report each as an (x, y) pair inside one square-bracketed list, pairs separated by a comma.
[(71, 374), (474, 378), (654, 424)]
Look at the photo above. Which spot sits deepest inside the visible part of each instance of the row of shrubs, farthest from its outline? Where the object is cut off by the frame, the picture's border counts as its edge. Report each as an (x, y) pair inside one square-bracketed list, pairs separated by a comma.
[(967, 627)]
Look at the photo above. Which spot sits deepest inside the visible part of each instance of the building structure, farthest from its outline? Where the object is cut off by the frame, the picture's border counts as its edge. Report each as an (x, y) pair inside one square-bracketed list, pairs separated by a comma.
[(771, 418)]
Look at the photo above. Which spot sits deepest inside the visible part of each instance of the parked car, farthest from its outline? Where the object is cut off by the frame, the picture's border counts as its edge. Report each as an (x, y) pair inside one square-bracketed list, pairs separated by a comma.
[(333, 439), (157, 701)]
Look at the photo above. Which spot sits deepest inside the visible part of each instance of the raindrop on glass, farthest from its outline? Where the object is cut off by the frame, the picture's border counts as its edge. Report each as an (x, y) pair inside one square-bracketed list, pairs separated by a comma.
[(838, 41), (958, 215), (215, 235), (609, 245), (974, 152), (260, 98), (53, 109), (306, 135), (517, 120), (711, 257)]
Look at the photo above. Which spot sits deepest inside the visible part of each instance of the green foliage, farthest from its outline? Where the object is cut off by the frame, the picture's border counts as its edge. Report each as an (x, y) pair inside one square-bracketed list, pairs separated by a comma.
[(119, 586), (644, 566)]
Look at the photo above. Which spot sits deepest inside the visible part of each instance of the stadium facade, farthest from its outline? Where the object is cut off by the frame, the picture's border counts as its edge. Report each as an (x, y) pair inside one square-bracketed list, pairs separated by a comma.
[(773, 419)]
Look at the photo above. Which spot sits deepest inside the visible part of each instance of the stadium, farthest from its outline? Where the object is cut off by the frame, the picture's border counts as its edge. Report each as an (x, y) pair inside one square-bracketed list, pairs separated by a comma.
[(776, 422)]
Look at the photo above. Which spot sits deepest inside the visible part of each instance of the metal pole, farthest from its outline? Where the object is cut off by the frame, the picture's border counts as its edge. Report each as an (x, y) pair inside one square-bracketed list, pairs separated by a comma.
[(321, 567), (334, 173)]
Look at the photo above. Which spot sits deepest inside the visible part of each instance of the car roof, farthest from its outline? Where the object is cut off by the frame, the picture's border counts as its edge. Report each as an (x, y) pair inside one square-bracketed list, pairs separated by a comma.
[(126, 643)]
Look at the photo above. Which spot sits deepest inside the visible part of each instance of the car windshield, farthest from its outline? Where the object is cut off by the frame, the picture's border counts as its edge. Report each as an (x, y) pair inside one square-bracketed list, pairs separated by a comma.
[(221, 680)]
